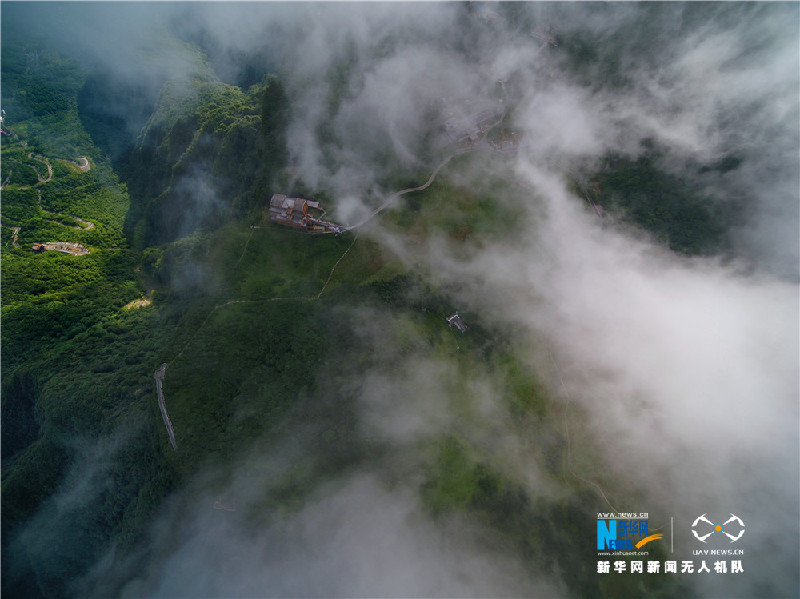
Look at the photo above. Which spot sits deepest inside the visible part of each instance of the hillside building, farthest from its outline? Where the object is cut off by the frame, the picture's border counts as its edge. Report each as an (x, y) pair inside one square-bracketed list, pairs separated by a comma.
[(297, 214), (67, 247)]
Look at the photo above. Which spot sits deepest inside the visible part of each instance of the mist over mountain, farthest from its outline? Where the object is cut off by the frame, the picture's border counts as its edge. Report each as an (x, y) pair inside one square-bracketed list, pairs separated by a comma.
[(605, 193)]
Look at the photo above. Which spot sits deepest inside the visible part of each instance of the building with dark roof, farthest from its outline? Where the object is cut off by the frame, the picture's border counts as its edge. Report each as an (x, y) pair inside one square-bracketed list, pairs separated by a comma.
[(297, 214), (455, 321)]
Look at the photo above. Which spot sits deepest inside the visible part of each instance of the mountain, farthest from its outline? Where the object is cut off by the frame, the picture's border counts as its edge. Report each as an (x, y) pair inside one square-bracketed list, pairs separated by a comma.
[(337, 431)]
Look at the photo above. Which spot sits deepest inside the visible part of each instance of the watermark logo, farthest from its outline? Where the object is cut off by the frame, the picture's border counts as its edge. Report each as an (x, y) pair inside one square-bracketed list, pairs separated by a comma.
[(623, 532), (703, 528)]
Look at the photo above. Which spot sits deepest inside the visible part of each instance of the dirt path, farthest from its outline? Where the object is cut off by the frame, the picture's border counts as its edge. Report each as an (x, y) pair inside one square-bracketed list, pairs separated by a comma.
[(83, 164), (392, 198), (85, 225), (588, 197), (330, 274), (15, 236), (266, 299), (249, 237)]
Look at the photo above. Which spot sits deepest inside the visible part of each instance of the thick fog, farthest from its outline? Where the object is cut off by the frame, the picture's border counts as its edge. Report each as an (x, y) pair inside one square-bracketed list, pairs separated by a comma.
[(358, 538), (681, 374)]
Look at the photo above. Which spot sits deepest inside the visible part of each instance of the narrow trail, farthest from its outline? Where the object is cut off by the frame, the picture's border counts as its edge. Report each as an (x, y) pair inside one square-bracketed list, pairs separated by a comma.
[(244, 251), (228, 303), (15, 236), (481, 144), (392, 198), (330, 274), (85, 224), (588, 197), (569, 445)]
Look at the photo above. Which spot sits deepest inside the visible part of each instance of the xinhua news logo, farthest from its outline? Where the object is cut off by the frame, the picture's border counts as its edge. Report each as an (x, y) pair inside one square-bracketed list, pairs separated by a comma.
[(623, 534)]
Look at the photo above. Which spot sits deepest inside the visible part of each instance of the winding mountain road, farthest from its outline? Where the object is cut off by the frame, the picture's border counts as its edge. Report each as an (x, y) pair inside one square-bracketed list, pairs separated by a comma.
[(46, 162), (83, 164), (85, 225), (159, 376)]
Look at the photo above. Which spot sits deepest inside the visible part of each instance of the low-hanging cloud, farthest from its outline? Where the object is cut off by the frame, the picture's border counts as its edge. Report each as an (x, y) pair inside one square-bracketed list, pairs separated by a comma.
[(354, 539), (686, 368)]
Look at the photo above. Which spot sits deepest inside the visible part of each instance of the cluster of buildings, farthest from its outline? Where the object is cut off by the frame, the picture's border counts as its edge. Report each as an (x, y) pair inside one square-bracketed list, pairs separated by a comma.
[(68, 247), (300, 214)]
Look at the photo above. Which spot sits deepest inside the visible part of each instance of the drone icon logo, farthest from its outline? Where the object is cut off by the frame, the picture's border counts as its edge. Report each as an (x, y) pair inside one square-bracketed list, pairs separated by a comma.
[(718, 528)]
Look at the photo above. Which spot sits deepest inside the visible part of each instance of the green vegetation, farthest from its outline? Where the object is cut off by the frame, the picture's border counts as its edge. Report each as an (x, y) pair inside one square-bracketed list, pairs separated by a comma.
[(71, 359), (667, 206), (205, 153), (50, 297)]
